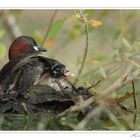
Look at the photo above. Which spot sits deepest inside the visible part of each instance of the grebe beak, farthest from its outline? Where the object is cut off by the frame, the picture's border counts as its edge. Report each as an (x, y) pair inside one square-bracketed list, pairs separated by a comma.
[(39, 49)]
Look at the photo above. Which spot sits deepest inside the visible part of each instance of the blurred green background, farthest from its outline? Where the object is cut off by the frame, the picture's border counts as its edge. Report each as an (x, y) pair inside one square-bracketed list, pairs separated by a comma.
[(119, 31), (116, 40)]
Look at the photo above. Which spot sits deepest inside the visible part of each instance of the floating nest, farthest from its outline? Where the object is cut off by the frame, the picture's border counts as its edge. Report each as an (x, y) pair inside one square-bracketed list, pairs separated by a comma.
[(57, 96)]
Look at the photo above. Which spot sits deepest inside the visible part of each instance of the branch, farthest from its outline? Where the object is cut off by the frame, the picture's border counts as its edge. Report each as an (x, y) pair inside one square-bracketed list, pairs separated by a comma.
[(122, 81), (49, 27), (91, 114), (77, 107), (85, 55), (135, 105)]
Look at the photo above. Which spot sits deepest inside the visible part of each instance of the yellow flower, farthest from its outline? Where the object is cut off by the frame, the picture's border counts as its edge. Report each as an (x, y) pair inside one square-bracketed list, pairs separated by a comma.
[(95, 23)]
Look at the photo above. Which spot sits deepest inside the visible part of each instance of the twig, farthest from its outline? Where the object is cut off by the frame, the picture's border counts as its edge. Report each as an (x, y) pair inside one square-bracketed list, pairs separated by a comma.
[(84, 57), (135, 105), (90, 115), (49, 28), (99, 81), (122, 81), (93, 85), (102, 79), (134, 95), (95, 112), (77, 107)]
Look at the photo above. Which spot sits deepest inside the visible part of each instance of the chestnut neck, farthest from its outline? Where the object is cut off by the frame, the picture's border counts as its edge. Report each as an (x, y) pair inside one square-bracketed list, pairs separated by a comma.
[(19, 47)]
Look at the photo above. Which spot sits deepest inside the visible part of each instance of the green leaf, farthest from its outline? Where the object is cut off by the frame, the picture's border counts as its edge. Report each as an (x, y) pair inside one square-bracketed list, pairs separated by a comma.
[(56, 27), (2, 50), (2, 32), (116, 34), (114, 54), (100, 58), (126, 43)]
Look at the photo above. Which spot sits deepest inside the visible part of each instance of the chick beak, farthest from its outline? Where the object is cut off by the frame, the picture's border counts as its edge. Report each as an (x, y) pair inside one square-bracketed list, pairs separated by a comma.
[(69, 74)]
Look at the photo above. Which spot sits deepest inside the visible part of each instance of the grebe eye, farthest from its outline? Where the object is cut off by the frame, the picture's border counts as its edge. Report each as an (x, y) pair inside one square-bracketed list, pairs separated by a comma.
[(36, 48)]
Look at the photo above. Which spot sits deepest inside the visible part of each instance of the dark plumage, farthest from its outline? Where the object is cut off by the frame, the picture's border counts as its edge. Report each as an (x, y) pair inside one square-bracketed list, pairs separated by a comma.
[(26, 69), (30, 82)]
